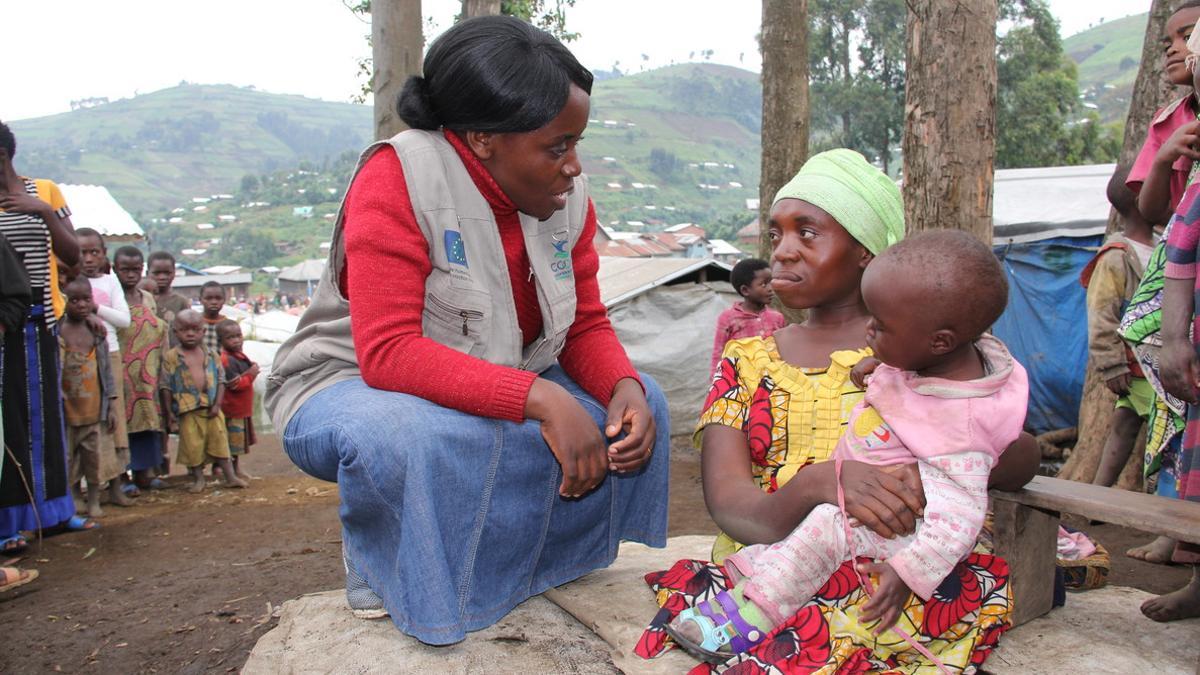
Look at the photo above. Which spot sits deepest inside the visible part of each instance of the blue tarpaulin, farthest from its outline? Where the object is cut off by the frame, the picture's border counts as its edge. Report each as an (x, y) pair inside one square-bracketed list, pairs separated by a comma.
[(1045, 324)]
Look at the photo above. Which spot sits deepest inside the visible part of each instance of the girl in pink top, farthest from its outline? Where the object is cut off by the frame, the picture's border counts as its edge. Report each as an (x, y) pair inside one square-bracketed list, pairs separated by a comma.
[(943, 395)]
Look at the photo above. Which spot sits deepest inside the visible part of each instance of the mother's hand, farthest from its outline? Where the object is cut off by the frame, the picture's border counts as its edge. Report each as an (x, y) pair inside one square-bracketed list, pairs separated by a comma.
[(888, 500), (629, 412)]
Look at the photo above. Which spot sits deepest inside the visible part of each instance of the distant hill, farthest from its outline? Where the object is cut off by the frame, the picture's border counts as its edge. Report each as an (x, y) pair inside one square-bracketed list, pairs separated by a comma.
[(687, 134), (1108, 57)]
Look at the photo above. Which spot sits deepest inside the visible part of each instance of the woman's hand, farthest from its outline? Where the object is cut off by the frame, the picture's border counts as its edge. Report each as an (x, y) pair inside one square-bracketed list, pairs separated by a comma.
[(629, 412), (1180, 369), (886, 500), (23, 202), (572, 436)]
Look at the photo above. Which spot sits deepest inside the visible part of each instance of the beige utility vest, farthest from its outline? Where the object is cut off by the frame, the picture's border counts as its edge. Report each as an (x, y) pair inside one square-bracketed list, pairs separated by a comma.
[(468, 296)]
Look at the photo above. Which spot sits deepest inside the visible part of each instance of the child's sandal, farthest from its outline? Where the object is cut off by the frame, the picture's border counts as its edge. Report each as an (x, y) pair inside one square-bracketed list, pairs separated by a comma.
[(729, 631)]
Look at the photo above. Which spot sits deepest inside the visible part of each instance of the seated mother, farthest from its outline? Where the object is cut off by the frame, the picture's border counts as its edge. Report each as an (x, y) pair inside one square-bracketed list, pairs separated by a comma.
[(774, 414), (456, 373)]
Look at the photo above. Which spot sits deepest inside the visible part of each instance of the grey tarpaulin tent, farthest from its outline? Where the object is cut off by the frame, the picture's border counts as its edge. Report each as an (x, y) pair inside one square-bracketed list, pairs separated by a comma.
[(664, 311)]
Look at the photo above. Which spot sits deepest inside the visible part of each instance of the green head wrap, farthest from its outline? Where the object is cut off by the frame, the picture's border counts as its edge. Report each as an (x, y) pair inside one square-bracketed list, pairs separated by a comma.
[(860, 197)]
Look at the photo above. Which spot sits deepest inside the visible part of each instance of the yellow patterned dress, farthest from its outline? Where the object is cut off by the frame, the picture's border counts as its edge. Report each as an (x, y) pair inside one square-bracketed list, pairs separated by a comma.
[(793, 417)]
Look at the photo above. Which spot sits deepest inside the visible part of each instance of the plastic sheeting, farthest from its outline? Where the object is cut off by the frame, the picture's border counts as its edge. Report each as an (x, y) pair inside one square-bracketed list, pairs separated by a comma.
[(668, 333), (1045, 324)]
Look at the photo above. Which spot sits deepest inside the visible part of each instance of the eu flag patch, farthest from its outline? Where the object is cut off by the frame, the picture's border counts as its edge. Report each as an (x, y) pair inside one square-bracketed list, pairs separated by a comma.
[(456, 250)]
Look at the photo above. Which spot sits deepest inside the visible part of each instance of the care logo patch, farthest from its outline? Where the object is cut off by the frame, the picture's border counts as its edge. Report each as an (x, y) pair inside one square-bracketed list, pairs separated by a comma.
[(561, 264), (456, 250)]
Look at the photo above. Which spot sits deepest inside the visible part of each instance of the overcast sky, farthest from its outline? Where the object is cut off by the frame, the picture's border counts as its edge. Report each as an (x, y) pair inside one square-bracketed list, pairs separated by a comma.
[(60, 50)]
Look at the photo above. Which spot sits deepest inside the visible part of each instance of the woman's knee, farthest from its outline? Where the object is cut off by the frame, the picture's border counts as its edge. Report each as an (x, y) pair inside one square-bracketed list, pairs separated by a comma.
[(658, 402)]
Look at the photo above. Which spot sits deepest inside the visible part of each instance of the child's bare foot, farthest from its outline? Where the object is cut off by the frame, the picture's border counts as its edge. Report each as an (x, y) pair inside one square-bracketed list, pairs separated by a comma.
[(197, 485), (1158, 551), (1181, 604), (116, 495), (243, 475), (93, 503), (236, 482)]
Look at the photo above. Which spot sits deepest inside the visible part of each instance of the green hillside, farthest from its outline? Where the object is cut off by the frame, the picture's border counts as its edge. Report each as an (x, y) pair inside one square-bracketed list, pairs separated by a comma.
[(671, 131), (1108, 56)]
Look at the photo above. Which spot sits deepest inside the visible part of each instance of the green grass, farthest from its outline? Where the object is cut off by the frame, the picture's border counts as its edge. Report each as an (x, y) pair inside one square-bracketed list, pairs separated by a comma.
[(1108, 56)]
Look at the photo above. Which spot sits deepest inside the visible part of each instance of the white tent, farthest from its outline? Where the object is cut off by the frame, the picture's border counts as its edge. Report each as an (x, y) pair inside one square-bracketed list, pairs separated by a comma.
[(1057, 201), (93, 206), (664, 311)]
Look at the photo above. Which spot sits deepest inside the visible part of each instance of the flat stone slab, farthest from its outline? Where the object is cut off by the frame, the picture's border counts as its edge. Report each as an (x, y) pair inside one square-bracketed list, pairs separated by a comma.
[(1099, 631), (318, 634)]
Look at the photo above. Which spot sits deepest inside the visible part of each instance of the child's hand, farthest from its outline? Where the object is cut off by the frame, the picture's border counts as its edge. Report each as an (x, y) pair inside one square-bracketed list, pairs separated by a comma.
[(112, 417), (96, 325), (862, 370), (253, 371), (1182, 143), (1119, 385), (172, 425), (213, 410), (889, 597)]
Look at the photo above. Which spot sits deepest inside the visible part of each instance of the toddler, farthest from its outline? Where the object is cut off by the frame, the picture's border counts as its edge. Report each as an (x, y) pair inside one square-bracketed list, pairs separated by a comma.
[(212, 298), (238, 404), (750, 316), (943, 395), (192, 384)]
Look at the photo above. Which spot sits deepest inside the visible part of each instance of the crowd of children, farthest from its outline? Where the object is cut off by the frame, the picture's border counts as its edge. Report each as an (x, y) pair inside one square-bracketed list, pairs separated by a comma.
[(139, 365)]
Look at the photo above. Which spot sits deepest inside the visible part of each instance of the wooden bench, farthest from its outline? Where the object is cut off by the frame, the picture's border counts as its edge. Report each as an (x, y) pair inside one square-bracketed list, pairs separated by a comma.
[(1025, 529)]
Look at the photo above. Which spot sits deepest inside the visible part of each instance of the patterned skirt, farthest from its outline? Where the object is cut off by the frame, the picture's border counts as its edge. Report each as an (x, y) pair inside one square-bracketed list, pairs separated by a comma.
[(960, 624), (33, 483)]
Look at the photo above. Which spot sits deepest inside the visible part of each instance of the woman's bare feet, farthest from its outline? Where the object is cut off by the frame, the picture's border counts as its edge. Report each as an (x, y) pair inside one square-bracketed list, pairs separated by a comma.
[(1181, 604), (1158, 551)]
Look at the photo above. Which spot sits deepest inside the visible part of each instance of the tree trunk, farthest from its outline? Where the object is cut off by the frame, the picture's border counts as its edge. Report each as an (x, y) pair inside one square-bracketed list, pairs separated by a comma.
[(471, 8), (950, 115), (1151, 91), (785, 114), (397, 44)]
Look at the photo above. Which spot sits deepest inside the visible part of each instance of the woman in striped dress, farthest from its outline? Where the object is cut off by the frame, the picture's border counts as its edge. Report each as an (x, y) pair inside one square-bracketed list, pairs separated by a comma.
[(34, 481)]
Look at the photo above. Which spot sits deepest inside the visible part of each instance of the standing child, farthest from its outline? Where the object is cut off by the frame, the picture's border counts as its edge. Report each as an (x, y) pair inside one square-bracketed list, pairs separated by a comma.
[(212, 298), (192, 385), (750, 316), (111, 307), (238, 404), (160, 267), (143, 343), (89, 395), (1159, 174), (947, 397), (1111, 279)]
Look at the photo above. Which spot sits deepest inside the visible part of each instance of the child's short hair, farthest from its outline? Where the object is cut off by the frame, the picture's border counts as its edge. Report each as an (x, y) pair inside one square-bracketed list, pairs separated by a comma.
[(89, 232), (225, 325), (79, 284), (745, 269), (212, 284), (1119, 195), (7, 140), (160, 255), (965, 282), (131, 252)]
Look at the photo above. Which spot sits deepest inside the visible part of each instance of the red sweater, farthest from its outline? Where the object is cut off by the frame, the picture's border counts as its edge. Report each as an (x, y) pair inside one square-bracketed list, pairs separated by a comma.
[(387, 262)]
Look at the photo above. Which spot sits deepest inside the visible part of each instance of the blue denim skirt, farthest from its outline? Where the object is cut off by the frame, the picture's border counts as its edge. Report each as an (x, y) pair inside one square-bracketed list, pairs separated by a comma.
[(455, 519)]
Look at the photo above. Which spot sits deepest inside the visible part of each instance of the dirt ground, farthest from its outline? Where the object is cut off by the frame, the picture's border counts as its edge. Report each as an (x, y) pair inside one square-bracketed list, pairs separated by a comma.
[(187, 583)]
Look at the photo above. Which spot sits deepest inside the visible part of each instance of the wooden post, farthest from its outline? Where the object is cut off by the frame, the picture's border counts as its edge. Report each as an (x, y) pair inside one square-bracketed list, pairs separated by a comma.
[(397, 45), (950, 115), (471, 8), (785, 114), (1027, 538)]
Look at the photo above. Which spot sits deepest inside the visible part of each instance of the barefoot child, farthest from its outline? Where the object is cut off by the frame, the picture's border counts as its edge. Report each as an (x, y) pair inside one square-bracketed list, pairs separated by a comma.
[(142, 346), (750, 316), (238, 404), (1111, 279), (89, 394), (192, 386), (946, 396), (212, 298), (110, 305), (160, 268)]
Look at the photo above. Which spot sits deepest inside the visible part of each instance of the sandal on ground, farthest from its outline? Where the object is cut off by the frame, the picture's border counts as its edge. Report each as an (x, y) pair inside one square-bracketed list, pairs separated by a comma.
[(131, 490), (11, 577), (723, 636), (159, 484), (14, 545), (78, 524)]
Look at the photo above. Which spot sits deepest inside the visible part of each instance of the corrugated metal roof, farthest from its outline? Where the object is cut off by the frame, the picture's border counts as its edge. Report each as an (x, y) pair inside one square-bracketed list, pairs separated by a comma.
[(93, 206), (624, 278), (309, 270), (193, 280)]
